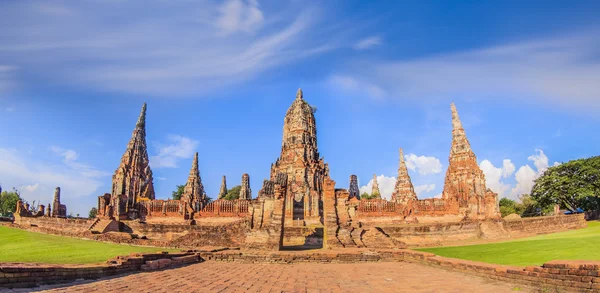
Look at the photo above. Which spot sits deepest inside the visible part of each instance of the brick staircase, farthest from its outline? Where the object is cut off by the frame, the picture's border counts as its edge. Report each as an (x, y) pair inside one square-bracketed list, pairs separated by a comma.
[(100, 226)]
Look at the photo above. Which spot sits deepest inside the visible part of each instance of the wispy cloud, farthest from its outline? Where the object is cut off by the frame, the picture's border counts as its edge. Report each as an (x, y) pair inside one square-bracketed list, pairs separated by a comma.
[(424, 165), (352, 86), (420, 190), (6, 80), (168, 49), (238, 15), (562, 71), (37, 177), (178, 147), (368, 43)]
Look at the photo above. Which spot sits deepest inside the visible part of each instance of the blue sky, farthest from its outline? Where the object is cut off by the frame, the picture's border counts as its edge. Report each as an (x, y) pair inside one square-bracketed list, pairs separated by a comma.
[(218, 77)]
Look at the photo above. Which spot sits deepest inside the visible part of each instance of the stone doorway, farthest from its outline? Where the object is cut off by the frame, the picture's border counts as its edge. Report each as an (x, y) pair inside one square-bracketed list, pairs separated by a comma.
[(298, 213)]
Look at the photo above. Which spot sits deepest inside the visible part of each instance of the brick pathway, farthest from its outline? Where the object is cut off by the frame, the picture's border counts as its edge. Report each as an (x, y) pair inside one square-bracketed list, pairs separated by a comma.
[(234, 277)]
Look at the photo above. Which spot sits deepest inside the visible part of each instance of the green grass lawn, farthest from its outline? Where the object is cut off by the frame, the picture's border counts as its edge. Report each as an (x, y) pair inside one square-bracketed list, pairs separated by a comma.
[(582, 244), (22, 246)]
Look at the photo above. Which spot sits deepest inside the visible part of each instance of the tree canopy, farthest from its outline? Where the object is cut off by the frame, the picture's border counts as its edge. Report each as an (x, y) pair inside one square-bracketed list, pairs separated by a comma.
[(526, 206), (178, 193), (93, 213), (8, 202), (366, 195), (572, 185), (233, 193)]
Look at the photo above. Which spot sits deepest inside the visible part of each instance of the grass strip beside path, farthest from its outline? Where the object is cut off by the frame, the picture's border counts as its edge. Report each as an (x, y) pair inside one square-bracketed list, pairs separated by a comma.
[(581, 244), (18, 245)]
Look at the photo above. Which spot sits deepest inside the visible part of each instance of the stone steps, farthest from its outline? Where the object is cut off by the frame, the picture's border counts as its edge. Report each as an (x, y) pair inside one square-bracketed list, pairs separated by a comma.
[(104, 225)]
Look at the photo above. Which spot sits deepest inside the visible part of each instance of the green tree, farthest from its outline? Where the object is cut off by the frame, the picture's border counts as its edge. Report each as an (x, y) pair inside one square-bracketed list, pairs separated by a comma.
[(178, 193), (572, 185), (507, 206), (8, 202), (93, 213), (233, 193), (366, 195)]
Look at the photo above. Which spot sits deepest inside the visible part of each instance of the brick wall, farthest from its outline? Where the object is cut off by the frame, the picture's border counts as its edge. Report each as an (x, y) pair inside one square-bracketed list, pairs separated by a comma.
[(540, 225), (17, 275), (74, 225)]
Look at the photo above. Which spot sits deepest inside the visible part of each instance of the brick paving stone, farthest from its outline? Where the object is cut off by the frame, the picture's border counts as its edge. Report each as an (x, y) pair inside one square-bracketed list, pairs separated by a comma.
[(305, 277)]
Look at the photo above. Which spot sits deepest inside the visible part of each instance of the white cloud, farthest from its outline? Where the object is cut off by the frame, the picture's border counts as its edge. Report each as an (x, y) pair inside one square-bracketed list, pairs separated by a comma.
[(494, 175), (31, 188), (238, 15), (352, 86), (540, 161), (169, 49), (439, 195), (9, 109), (524, 177), (386, 186), (37, 178), (422, 189), (424, 165), (180, 147), (368, 43), (68, 155), (562, 71)]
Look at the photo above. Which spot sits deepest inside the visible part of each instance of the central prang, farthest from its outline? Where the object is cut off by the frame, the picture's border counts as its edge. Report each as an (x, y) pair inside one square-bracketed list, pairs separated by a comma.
[(300, 165)]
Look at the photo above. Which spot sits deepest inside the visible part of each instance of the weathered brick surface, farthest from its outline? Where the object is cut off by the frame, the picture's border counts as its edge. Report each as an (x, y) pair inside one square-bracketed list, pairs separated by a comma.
[(303, 277), (575, 276), (15, 275)]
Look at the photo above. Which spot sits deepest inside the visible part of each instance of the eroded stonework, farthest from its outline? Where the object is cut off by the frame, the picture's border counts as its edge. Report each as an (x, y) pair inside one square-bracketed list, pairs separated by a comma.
[(353, 190), (133, 177), (301, 163), (404, 192), (245, 191), (58, 209), (223, 189), (194, 196), (375, 190), (465, 181)]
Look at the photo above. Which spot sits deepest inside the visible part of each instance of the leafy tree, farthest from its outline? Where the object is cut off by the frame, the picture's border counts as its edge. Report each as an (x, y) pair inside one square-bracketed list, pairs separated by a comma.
[(8, 202), (508, 206), (525, 207), (93, 213), (366, 195), (233, 193), (178, 193), (572, 185)]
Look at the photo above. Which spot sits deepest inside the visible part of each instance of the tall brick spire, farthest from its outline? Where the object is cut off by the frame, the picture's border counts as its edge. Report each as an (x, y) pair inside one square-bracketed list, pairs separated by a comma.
[(375, 189), (465, 181), (223, 190), (300, 161), (460, 143), (133, 177), (193, 192), (404, 190)]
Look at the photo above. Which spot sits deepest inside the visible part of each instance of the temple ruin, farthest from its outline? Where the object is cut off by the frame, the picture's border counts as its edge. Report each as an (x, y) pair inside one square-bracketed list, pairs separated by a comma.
[(298, 205), (132, 181)]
